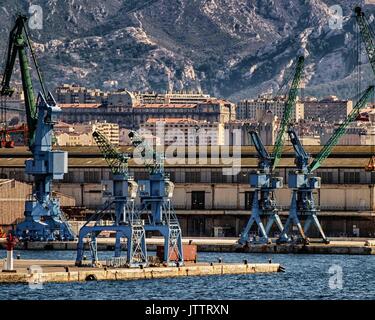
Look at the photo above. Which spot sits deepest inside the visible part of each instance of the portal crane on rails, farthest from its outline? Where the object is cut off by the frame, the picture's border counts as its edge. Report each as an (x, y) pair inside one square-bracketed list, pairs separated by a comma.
[(368, 38), (263, 180), (155, 195), (125, 224), (303, 182), (44, 219)]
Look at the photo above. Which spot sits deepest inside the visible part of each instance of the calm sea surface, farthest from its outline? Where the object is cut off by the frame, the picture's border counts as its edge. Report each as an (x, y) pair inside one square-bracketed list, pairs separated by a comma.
[(306, 277)]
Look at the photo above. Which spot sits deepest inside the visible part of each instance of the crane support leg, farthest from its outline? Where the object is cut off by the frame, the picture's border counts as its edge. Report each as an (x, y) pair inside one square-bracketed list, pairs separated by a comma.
[(173, 251), (255, 217), (80, 247), (118, 245), (292, 220), (313, 219), (174, 243), (136, 244), (93, 248), (275, 219)]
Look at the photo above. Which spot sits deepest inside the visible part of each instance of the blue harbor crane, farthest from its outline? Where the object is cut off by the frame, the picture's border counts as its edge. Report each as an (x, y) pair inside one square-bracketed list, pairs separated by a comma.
[(125, 224), (303, 182), (155, 196), (44, 219), (263, 180)]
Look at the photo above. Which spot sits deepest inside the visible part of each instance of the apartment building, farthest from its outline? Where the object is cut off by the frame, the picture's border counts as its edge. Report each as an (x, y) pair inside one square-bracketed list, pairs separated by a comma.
[(249, 109), (181, 131)]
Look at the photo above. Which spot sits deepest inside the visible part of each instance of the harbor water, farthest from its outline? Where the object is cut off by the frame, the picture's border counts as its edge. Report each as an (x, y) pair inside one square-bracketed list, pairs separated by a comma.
[(306, 277)]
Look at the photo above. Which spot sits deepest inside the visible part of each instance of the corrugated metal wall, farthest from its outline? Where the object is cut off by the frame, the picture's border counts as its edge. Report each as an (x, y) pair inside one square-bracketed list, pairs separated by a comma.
[(12, 200)]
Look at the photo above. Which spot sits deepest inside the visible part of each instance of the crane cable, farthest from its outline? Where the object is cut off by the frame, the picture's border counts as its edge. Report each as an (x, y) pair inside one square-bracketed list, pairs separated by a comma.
[(39, 73), (3, 103)]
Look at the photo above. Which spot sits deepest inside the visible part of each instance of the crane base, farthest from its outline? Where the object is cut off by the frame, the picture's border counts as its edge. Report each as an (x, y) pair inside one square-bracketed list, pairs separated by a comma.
[(44, 222)]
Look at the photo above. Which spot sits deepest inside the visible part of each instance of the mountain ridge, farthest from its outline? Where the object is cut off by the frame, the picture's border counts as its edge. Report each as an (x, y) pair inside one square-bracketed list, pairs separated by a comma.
[(233, 49)]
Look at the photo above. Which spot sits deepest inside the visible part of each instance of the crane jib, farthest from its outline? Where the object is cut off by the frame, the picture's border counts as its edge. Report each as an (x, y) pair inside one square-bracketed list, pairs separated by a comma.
[(367, 35), (326, 151), (117, 162), (290, 103), (19, 41)]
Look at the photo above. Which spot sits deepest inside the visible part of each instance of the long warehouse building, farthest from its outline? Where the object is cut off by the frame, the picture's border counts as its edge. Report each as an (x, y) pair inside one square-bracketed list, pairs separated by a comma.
[(210, 203)]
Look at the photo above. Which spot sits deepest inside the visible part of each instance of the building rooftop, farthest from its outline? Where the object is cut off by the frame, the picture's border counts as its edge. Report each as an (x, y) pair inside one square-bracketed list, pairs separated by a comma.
[(79, 105), (343, 150), (4, 181), (245, 162), (174, 120), (164, 105), (61, 124), (342, 156)]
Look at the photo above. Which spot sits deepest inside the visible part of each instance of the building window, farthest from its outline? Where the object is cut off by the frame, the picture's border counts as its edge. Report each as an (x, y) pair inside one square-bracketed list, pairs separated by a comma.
[(326, 177), (243, 177), (198, 200), (172, 175), (17, 175), (69, 177), (192, 177), (217, 177), (249, 195), (351, 177), (372, 177), (91, 177)]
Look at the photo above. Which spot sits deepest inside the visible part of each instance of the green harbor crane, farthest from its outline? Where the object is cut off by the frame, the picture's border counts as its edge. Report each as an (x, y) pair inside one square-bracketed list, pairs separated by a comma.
[(263, 179), (368, 39), (304, 183)]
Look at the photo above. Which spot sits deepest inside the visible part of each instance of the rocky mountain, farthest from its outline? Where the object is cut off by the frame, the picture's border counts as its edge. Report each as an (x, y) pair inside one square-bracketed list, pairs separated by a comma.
[(229, 48)]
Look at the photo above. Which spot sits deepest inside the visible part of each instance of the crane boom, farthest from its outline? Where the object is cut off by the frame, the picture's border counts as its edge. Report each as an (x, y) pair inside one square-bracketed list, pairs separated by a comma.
[(290, 103), (259, 145), (326, 150), (117, 162), (154, 161), (18, 42), (368, 39), (263, 155), (302, 158), (367, 35)]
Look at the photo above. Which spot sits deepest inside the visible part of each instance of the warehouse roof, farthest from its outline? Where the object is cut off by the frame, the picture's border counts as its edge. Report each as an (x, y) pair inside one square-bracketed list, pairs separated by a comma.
[(4, 181), (246, 150), (245, 162), (341, 157)]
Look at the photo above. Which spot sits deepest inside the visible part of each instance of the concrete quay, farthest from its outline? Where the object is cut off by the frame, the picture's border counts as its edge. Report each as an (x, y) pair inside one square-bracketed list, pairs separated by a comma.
[(342, 246), (42, 271), (337, 246)]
